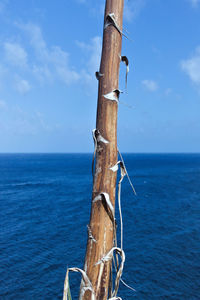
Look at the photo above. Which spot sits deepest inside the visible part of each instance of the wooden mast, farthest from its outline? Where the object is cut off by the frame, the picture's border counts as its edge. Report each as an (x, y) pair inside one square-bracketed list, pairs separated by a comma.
[(101, 227)]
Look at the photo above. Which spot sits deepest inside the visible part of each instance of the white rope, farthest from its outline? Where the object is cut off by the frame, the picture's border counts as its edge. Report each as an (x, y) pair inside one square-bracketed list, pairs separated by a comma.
[(128, 286), (123, 173), (127, 174), (87, 284), (108, 257)]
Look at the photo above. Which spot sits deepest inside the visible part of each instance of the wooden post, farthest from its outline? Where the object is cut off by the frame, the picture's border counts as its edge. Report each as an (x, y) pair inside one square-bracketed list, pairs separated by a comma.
[(101, 228)]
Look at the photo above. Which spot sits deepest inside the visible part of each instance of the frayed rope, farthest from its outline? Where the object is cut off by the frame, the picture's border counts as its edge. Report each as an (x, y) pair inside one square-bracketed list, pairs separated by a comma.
[(108, 257), (87, 284)]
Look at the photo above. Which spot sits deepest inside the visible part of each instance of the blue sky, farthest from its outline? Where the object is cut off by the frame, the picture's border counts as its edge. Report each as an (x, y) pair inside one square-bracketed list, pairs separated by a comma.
[(49, 51)]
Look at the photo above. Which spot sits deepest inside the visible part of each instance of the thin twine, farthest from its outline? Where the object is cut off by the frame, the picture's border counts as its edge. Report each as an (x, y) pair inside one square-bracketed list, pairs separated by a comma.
[(130, 182), (119, 204)]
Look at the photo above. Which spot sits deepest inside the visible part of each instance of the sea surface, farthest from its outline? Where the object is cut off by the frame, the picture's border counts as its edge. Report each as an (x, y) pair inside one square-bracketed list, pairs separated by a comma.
[(45, 207)]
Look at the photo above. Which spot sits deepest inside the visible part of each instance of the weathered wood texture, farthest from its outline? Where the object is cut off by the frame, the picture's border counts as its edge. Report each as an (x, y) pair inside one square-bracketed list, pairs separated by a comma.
[(105, 179)]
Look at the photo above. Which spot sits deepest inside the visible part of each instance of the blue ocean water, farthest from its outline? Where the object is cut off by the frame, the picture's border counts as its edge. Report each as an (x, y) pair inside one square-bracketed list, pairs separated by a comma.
[(45, 207)]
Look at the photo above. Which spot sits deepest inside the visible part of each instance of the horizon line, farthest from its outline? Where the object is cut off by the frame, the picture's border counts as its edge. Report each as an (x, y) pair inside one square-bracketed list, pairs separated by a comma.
[(125, 152)]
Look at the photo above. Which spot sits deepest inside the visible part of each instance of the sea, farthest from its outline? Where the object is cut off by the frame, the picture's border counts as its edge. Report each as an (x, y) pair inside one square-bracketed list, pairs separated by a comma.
[(45, 204)]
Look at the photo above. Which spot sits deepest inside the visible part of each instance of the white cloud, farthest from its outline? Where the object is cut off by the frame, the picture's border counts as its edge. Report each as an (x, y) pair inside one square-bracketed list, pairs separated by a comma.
[(91, 63), (191, 66), (168, 91), (67, 76), (21, 122), (51, 63), (40, 120), (42, 73), (15, 54), (60, 60), (194, 3), (151, 85), (46, 64), (132, 9), (35, 37), (22, 85), (93, 51), (95, 54)]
